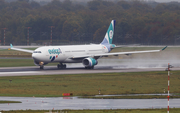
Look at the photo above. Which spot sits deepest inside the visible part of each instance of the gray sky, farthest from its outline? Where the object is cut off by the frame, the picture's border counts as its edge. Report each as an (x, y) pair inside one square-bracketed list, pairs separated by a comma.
[(166, 0)]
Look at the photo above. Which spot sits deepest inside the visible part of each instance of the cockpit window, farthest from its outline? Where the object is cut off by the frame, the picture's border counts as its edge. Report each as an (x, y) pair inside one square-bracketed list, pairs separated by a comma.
[(37, 52)]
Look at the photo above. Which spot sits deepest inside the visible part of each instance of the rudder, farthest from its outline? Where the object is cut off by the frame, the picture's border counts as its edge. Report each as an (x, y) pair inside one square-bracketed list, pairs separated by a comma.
[(109, 34)]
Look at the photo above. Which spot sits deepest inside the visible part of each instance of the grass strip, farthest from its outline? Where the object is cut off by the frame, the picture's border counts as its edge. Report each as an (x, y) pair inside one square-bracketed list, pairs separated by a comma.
[(89, 84), (4, 102), (131, 97), (16, 62), (19, 62), (13, 53), (172, 110)]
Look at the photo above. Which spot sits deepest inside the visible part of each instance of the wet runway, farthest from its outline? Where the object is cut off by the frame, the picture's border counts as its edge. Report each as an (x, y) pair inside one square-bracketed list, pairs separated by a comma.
[(75, 103), (104, 66), (51, 70)]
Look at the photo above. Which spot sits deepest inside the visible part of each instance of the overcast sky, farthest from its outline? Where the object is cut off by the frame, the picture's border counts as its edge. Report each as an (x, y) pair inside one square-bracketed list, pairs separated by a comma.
[(167, 0)]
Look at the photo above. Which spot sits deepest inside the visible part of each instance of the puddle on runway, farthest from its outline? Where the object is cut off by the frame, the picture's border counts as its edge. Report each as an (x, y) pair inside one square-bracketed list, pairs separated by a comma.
[(75, 103)]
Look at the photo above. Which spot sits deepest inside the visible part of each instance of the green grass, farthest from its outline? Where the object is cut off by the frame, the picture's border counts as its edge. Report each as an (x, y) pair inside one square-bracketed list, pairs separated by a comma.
[(16, 62), (173, 110), (13, 53), (131, 97), (20, 62), (4, 102), (89, 84), (30, 48)]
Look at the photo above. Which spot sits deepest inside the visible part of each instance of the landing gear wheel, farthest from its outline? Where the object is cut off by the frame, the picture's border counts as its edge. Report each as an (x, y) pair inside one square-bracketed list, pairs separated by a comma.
[(64, 66), (58, 66), (42, 67), (61, 66), (92, 67)]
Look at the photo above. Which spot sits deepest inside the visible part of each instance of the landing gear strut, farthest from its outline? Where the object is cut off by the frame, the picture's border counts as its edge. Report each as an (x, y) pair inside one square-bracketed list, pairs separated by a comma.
[(41, 67), (41, 64), (61, 66)]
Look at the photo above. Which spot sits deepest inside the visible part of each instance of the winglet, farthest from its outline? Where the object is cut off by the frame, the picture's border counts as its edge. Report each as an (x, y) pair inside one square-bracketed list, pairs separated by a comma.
[(11, 45), (164, 48)]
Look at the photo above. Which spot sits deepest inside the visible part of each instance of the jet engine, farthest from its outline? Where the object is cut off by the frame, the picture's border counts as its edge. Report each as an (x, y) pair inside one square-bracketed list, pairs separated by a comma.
[(89, 62)]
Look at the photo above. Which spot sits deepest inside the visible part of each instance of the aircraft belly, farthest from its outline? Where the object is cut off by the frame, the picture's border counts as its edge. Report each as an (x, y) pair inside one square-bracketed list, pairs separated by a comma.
[(72, 61), (59, 59)]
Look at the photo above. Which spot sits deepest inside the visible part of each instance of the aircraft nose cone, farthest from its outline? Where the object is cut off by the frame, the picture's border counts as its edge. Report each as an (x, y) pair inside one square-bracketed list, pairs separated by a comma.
[(35, 56)]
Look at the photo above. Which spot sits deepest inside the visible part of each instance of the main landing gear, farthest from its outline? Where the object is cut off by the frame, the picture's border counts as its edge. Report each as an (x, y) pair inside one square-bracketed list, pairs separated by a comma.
[(61, 66), (92, 67)]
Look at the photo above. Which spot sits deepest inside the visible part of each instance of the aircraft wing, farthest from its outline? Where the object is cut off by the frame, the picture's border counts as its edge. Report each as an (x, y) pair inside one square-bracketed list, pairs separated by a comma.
[(23, 50), (124, 46), (117, 53)]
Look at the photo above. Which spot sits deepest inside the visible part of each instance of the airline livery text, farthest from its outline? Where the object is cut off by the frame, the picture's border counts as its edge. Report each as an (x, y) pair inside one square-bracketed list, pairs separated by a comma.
[(54, 51)]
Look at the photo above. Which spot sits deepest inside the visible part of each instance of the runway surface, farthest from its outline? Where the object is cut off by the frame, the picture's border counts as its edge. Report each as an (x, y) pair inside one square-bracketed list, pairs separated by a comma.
[(104, 66), (75, 103), (51, 70)]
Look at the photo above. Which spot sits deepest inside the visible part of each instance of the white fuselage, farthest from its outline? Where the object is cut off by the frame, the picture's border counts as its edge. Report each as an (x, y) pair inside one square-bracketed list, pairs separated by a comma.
[(64, 54)]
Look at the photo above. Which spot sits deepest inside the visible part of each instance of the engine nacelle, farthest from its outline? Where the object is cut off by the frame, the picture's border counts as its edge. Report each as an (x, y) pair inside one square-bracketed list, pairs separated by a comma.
[(89, 62)]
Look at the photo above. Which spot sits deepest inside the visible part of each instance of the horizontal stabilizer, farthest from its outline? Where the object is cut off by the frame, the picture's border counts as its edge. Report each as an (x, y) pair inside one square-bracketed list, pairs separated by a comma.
[(164, 48)]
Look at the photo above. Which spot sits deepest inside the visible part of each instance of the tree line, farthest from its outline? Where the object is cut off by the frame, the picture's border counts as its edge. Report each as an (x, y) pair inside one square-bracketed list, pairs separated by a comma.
[(137, 22)]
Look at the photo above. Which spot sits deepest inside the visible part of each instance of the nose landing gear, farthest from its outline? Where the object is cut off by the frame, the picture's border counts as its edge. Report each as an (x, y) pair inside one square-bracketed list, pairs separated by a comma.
[(41, 67), (61, 66)]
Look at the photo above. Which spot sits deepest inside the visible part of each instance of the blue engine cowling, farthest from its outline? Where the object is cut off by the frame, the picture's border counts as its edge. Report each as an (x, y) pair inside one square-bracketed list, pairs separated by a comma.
[(89, 62)]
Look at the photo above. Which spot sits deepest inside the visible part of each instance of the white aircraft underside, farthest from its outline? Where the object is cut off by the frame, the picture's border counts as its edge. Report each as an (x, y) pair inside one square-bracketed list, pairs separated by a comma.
[(86, 54)]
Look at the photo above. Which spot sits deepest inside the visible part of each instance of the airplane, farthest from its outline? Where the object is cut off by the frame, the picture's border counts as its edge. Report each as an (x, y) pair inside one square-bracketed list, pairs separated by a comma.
[(85, 54)]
